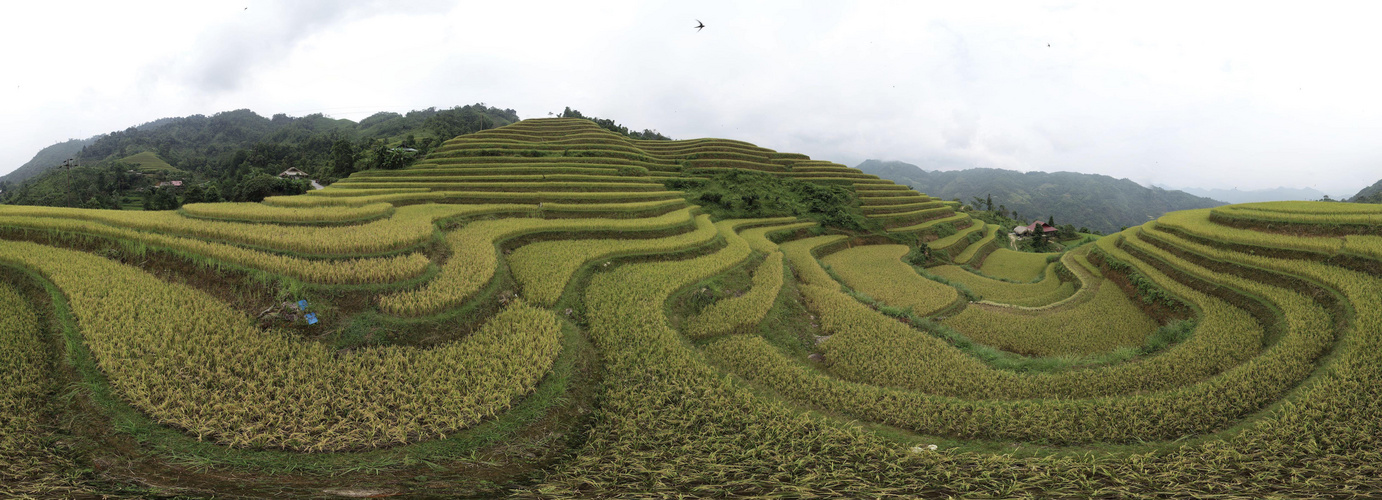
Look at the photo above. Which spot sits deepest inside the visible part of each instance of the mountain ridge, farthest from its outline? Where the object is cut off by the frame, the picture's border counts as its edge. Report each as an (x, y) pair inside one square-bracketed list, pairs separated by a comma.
[(1370, 194), (1235, 195), (1096, 201)]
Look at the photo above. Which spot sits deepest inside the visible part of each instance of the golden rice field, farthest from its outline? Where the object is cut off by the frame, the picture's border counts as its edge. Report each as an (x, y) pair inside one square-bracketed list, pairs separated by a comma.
[(1015, 266), (531, 312)]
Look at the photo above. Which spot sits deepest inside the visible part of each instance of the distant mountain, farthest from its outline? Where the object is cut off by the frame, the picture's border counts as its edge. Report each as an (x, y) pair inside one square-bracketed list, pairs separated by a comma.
[(1255, 195), (47, 158), (1098, 202), (1370, 194)]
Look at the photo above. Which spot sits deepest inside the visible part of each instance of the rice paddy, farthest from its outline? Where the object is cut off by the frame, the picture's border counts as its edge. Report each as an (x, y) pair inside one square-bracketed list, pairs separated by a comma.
[(516, 315)]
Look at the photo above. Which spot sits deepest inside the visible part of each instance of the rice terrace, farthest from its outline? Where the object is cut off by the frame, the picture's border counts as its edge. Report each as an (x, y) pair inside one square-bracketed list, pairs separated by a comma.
[(549, 309)]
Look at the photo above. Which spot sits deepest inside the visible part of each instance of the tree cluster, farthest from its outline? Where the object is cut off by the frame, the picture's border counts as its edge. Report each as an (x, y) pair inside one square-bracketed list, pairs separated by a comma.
[(646, 134), (735, 194)]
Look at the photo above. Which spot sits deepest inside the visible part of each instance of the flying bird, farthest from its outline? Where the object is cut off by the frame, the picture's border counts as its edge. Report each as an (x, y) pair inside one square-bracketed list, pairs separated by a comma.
[(699, 26)]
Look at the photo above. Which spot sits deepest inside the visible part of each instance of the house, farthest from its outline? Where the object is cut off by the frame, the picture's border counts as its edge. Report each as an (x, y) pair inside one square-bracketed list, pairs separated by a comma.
[(172, 184), (293, 173), (1042, 226)]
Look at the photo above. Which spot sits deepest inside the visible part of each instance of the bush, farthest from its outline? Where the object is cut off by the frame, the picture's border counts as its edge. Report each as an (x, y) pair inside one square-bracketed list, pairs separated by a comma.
[(741, 194)]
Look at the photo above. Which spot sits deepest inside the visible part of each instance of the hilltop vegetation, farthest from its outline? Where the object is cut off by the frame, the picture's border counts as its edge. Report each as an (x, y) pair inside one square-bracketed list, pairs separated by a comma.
[(1098, 202), (1370, 194), (610, 125), (46, 159), (748, 194), (554, 309), (236, 154)]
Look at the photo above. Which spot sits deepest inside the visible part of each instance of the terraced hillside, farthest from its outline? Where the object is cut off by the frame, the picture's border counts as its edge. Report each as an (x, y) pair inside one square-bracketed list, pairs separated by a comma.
[(532, 311)]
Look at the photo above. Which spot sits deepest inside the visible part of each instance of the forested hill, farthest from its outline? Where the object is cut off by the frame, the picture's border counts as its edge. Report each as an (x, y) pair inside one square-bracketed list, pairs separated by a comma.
[(243, 140), (236, 154), (1370, 194), (1098, 202), (47, 158)]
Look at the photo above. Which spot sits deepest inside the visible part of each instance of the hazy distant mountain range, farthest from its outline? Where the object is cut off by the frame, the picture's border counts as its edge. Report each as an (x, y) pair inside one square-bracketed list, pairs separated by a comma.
[(1098, 202), (1236, 195)]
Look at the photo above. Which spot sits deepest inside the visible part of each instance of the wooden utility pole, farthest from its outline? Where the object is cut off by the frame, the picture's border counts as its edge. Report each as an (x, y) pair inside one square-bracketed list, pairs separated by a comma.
[(68, 165)]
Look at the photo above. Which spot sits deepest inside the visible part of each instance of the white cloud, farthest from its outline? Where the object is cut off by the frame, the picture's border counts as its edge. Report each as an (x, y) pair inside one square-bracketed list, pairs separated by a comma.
[(1215, 95)]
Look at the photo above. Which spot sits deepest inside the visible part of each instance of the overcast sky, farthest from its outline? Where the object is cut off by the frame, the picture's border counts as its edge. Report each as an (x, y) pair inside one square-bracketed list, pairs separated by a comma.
[(1249, 95)]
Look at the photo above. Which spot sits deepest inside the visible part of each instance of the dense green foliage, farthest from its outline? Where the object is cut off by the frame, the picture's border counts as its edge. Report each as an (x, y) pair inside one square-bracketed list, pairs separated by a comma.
[(610, 125), (742, 194)]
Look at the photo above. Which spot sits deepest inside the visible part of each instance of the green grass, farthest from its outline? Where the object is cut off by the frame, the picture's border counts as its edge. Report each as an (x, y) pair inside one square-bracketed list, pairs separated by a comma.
[(148, 162)]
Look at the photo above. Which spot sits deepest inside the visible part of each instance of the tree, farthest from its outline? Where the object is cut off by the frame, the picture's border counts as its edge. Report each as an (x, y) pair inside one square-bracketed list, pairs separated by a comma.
[(989, 202), (1051, 221), (194, 194), (260, 186), (160, 199), (920, 256), (213, 194), (343, 158), (1067, 232), (610, 125), (1039, 240), (387, 159)]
